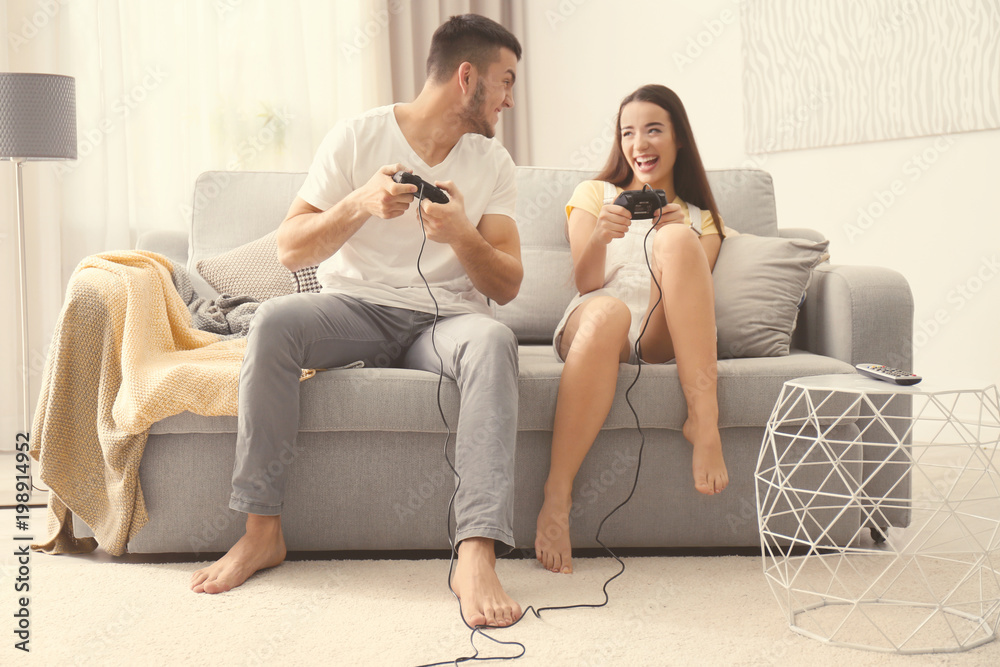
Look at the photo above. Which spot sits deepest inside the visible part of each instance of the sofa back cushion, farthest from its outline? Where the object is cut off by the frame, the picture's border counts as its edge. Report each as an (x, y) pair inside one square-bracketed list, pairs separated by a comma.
[(231, 209)]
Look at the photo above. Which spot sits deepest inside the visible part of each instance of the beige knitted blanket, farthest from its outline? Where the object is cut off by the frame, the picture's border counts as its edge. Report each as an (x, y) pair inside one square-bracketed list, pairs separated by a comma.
[(123, 356)]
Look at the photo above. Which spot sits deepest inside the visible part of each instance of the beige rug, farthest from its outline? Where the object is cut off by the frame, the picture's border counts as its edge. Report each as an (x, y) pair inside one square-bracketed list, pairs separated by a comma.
[(86, 610)]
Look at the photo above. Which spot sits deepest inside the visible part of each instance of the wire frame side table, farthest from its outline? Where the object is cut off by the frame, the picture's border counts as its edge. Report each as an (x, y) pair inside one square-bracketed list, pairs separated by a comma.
[(879, 513)]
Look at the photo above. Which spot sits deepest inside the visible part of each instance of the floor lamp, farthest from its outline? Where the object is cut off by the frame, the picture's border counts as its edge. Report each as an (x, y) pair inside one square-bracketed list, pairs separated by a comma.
[(37, 122)]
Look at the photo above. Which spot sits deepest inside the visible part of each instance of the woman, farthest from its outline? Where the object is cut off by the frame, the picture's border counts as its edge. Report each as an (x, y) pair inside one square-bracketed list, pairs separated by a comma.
[(617, 297)]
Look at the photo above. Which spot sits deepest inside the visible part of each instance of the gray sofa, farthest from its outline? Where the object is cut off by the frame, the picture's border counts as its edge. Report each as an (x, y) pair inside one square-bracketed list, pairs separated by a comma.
[(370, 473)]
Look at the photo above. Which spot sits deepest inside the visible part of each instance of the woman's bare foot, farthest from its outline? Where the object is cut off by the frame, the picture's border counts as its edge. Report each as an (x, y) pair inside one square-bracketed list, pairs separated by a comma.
[(261, 547), (484, 601), (552, 544), (707, 463)]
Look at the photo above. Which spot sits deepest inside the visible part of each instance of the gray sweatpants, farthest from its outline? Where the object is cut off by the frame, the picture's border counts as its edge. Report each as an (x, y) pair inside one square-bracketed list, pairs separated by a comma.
[(327, 330)]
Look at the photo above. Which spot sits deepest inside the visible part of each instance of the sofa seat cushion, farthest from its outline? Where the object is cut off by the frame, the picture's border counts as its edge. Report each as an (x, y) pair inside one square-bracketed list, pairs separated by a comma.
[(747, 390), (391, 399)]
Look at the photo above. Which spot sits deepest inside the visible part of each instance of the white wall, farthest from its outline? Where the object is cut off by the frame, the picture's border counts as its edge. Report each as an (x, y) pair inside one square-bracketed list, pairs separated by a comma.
[(940, 228)]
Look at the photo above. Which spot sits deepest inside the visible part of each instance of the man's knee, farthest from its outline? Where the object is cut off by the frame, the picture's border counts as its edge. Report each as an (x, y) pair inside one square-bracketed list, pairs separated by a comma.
[(491, 340), (264, 325), (496, 335), (276, 318)]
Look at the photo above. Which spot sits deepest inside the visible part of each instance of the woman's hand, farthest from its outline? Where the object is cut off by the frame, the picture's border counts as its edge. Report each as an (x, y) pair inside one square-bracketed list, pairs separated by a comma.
[(612, 223), (671, 214)]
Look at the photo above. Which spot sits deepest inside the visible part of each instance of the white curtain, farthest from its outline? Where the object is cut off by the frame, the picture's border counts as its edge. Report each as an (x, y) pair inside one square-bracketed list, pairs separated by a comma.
[(167, 90), (164, 90)]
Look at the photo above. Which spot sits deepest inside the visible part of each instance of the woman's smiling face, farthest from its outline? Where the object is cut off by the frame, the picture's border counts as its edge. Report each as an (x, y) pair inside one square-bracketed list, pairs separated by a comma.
[(648, 143)]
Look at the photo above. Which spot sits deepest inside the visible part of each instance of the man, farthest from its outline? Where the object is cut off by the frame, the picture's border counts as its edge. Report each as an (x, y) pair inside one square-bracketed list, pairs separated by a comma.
[(361, 228)]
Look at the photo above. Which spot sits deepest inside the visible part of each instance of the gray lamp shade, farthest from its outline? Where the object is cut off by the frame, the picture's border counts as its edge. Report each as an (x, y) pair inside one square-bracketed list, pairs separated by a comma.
[(37, 116)]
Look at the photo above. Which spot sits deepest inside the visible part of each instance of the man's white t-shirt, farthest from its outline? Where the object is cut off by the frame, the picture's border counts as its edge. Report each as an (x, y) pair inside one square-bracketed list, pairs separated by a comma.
[(378, 264)]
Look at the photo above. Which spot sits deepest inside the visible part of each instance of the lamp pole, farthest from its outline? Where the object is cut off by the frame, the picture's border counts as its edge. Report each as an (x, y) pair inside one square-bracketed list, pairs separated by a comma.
[(23, 303)]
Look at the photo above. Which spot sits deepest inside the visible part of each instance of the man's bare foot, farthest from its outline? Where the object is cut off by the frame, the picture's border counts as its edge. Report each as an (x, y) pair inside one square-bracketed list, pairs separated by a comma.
[(552, 544), (475, 581), (707, 463), (261, 547)]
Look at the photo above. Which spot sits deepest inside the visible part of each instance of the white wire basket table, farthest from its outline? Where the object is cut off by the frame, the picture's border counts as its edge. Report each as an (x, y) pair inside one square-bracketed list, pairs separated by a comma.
[(879, 513)]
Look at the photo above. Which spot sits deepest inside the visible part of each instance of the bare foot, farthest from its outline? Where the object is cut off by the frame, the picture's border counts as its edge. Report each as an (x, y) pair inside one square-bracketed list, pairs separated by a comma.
[(475, 581), (707, 463), (552, 544), (261, 547)]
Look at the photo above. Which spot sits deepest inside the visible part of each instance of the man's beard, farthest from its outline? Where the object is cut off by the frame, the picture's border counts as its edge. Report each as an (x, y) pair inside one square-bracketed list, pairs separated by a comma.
[(473, 116)]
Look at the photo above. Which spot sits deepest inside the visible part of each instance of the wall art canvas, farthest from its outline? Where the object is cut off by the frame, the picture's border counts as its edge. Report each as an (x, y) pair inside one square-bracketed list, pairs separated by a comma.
[(826, 73)]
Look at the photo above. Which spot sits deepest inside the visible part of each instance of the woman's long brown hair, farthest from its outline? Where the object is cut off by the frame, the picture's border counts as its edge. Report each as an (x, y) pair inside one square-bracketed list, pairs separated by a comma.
[(690, 181)]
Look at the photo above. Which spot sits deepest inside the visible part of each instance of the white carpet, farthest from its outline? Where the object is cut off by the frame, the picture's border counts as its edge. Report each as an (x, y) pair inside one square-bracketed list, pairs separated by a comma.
[(663, 611)]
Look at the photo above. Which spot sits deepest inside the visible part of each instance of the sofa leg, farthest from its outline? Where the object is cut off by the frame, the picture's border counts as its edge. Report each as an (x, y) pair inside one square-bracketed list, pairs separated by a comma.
[(879, 533)]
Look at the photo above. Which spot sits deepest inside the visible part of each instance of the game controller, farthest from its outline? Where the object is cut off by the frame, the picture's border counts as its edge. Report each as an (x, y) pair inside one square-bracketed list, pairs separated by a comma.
[(424, 189), (642, 204)]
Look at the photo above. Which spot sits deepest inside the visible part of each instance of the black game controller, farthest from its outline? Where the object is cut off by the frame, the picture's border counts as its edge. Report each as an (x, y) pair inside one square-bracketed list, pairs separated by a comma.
[(642, 204), (424, 189)]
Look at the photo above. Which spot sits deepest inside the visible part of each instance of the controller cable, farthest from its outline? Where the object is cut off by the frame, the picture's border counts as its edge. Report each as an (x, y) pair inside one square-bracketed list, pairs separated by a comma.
[(451, 503)]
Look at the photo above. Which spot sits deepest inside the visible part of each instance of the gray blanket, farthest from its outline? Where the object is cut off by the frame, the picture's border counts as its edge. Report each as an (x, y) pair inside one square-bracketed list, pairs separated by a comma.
[(228, 316)]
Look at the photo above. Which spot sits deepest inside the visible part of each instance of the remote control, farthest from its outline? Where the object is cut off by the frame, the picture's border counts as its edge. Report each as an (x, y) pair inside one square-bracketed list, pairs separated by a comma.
[(424, 189), (886, 374), (642, 204)]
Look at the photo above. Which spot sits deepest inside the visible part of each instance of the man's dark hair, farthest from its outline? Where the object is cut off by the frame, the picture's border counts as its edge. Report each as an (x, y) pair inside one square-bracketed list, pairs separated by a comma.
[(467, 38)]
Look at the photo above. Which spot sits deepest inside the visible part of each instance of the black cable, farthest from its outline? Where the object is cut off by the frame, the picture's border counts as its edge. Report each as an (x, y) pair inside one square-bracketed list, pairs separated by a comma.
[(642, 444), (458, 478)]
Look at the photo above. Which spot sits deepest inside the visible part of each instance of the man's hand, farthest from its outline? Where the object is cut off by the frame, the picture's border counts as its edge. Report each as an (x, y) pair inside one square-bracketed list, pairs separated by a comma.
[(383, 197), (446, 223)]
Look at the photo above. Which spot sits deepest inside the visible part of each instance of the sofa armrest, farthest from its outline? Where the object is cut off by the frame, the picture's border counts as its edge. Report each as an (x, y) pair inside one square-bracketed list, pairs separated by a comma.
[(864, 314), (858, 314), (170, 243)]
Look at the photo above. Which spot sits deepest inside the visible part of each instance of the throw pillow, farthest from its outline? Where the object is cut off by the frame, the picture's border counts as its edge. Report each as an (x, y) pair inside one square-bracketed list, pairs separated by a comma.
[(306, 280), (760, 282), (249, 270)]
